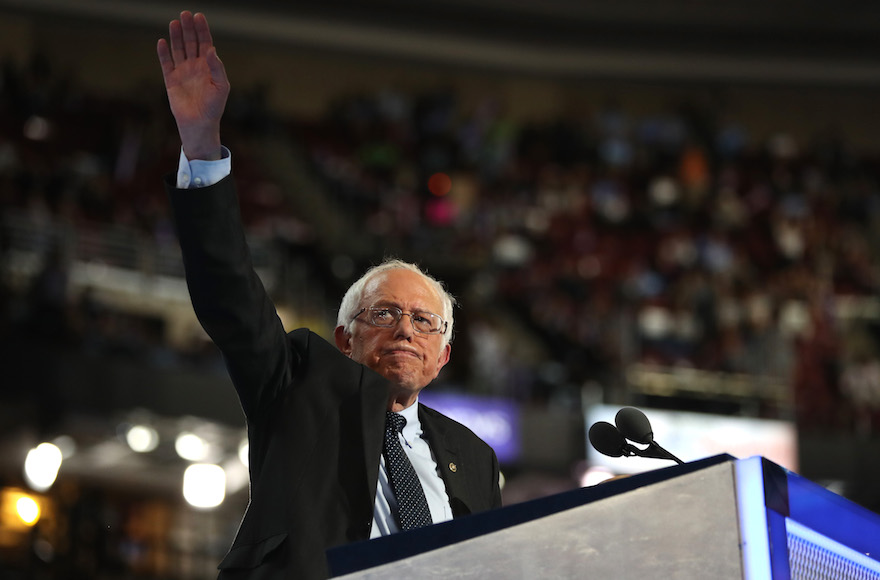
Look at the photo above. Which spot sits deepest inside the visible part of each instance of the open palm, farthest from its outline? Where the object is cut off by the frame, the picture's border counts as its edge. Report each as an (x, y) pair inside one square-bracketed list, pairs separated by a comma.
[(195, 81)]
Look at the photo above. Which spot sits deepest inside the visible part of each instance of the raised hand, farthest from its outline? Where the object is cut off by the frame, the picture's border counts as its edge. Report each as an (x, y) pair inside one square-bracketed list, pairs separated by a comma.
[(196, 83)]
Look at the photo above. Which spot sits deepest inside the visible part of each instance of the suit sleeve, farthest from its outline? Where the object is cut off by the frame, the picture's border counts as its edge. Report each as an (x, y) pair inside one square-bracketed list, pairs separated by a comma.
[(227, 295), (496, 486)]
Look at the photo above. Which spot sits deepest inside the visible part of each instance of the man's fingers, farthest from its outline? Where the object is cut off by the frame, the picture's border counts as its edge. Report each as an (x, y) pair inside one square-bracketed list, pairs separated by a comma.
[(165, 59), (203, 33), (175, 37), (190, 40), (218, 71)]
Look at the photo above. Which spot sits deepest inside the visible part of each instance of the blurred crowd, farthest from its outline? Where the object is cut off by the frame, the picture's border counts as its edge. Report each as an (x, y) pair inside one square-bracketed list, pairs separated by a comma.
[(81, 182), (580, 245), (677, 239)]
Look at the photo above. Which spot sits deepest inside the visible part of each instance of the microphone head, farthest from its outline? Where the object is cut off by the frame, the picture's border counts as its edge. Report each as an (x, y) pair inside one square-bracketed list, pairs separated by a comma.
[(607, 439), (634, 425)]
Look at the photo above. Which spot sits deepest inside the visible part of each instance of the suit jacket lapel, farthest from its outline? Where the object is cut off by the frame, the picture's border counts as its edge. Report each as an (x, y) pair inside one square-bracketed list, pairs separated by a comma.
[(374, 401), (449, 461), (444, 445)]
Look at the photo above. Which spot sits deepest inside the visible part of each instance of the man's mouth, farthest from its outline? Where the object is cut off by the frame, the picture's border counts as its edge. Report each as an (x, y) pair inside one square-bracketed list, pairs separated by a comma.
[(402, 352)]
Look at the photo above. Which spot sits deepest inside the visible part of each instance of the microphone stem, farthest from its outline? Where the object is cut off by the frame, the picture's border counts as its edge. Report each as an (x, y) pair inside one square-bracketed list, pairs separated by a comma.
[(667, 454)]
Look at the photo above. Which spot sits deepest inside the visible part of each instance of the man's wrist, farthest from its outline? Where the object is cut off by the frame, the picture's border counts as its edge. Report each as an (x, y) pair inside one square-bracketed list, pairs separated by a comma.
[(202, 143)]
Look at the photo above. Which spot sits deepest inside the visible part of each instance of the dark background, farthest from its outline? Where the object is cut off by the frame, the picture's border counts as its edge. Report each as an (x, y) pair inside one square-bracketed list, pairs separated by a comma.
[(97, 332)]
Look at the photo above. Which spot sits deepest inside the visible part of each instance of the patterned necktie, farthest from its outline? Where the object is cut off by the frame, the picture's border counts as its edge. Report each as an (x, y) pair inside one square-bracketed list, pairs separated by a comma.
[(412, 507)]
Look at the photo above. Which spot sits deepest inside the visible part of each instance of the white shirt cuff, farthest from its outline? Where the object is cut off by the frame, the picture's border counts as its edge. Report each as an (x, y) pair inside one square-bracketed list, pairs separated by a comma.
[(200, 173)]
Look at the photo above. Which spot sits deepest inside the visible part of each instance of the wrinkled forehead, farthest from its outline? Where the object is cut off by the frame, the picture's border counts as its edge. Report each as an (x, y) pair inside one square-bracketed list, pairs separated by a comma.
[(404, 288)]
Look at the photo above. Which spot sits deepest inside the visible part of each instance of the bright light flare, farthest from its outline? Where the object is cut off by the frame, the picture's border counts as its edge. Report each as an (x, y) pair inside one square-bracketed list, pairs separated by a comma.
[(41, 466), (204, 485), (191, 447), (142, 438), (28, 510)]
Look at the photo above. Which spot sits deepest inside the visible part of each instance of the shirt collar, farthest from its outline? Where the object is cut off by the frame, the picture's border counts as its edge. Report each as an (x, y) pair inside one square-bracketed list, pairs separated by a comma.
[(413, 427)]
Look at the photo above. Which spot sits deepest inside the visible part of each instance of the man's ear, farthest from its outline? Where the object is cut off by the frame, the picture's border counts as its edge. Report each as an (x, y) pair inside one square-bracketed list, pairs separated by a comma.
[(443, 358), (343, 340)]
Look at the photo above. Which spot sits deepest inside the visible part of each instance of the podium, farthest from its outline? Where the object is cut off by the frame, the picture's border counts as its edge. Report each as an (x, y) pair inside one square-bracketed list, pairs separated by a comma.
[(718, 518)]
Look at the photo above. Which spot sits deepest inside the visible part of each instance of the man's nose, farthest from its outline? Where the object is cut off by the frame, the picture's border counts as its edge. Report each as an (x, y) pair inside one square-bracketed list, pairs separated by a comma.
[(404, 326)]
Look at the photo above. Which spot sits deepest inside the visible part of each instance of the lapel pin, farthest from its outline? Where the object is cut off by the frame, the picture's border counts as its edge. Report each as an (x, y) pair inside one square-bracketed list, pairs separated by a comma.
[(453, 467)]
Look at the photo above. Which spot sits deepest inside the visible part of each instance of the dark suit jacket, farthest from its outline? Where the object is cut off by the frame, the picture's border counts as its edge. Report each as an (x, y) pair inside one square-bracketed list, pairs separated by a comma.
[(315, 418)]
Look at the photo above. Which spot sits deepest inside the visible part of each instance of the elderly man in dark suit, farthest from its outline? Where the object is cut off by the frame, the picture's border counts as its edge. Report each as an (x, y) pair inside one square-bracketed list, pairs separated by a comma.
[(328, 455)]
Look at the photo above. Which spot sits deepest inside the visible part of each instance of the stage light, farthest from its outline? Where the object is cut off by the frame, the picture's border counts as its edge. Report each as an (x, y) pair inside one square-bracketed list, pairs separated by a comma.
[(41, 466), (204, 485), (28, 510), (191, 447), (142, 438)]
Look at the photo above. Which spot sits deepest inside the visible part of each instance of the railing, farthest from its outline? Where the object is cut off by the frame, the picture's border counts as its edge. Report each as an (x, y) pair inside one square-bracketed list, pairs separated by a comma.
[(665, 381), (109, 257)]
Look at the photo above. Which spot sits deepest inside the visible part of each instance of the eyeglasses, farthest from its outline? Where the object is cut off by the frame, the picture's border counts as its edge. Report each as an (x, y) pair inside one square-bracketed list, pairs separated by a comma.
[(389, 316)]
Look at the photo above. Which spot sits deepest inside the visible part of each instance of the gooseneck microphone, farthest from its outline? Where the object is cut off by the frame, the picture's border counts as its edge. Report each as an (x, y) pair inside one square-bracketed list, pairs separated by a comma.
[(609, 441), (634, 425), (630, 424)]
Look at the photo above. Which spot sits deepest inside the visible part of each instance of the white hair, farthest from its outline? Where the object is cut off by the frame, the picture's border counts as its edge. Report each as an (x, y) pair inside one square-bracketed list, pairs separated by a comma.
[(350, 305)]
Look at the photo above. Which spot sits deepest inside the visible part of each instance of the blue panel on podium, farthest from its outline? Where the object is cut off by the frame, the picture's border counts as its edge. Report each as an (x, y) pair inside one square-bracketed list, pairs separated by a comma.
[(794, 528)]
